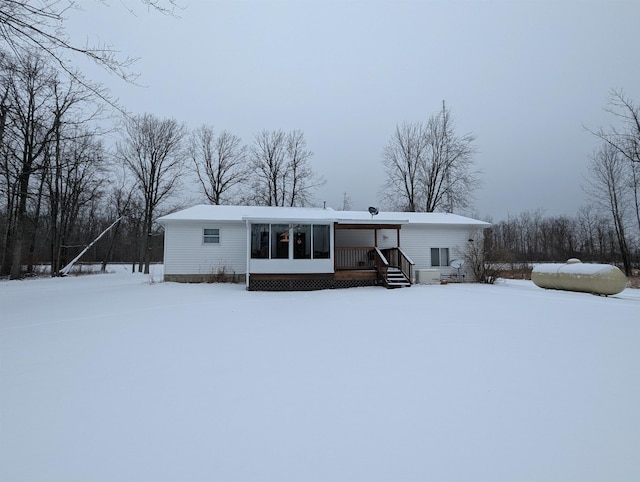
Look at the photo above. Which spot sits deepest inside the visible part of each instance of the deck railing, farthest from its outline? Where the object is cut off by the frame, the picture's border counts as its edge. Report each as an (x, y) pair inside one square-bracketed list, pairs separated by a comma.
[(369, 258), (398, 258), (354, 258), (381, 264)]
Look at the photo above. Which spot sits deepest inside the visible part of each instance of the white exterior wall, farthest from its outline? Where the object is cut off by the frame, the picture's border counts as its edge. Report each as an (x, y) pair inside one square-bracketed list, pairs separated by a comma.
[(291, 266), (354, 238), (364, 238), (417, 240), (185, 252)]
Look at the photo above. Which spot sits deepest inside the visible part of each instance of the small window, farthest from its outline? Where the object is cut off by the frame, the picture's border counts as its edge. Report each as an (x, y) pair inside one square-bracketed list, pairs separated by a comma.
[(439, 257), (211, 236)]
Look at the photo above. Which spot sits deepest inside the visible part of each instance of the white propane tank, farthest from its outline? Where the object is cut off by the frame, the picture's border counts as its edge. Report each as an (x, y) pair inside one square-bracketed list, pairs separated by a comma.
[(599, 279)]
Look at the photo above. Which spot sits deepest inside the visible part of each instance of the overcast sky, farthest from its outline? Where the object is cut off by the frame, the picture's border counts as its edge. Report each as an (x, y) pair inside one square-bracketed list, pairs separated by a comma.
[(524, 77)]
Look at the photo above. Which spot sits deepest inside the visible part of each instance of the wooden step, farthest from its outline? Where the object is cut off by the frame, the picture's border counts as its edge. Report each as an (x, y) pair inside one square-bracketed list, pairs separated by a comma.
[(396, 279)]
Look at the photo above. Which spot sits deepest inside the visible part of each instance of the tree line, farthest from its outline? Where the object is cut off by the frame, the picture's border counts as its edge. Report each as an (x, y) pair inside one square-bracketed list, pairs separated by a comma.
[(607, 230), (531, 237), (61, 185), (65, 177)]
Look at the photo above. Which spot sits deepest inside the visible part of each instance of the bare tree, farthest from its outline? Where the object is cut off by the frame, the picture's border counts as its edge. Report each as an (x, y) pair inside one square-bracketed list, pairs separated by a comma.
[(27, 25), (152, 150), (268, 156), (624, 138), (300, 178), (403, 157), (448, 178), (27, 135), (74, 182), (608, 186), (220, 162), (346, 202), (430, 167), (479, 257), (282, 174)]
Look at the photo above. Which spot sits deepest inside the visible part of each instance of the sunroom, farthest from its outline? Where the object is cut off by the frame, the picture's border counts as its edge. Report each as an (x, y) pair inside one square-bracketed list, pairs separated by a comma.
[(316, 254)]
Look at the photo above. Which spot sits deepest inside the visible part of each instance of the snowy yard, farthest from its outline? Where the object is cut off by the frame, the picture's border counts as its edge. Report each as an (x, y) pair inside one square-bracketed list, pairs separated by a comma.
[(116, 378)]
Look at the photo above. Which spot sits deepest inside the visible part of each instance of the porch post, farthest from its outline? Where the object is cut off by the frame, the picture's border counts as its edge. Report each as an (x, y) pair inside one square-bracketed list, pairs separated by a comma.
[(335, 250), (398, 237), (248, 255), (375, 237)]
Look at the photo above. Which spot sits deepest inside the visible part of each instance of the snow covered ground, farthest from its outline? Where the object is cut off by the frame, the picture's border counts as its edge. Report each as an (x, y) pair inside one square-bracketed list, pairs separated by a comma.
[(120, 377)]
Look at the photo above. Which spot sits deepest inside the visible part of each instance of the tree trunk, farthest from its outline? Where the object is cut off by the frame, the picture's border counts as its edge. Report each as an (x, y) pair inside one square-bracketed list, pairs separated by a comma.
[(18, 235)]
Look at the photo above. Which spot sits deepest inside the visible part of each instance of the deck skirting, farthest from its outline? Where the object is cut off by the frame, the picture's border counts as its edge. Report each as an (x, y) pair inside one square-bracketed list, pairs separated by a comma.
[(311, 282)]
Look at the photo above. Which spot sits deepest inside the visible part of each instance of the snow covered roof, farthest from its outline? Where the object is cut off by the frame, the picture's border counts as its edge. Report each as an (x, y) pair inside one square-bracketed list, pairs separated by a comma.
[(204, 212), (410, 218)]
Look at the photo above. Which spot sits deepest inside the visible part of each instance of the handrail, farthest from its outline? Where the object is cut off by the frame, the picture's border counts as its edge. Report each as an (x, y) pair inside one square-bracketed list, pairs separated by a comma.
[(367, 258), (410, 261), (400, 260), (382, 256), (382, 265)]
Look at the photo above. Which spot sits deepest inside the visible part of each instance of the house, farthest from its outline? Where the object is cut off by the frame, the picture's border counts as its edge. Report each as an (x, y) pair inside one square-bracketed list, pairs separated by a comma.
[(290, 248)]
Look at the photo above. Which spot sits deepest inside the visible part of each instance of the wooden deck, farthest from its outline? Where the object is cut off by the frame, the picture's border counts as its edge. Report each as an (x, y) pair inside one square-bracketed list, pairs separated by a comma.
[(356, 274)]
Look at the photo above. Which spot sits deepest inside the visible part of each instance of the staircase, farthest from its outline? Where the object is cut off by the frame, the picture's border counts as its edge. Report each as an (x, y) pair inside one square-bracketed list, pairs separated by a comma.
[(395, 278)]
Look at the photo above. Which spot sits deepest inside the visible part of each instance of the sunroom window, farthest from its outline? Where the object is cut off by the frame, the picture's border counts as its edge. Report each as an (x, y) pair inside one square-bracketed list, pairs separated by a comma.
[(279, 241), (290, 241), (260, 241), (321, 241), (302, 241)]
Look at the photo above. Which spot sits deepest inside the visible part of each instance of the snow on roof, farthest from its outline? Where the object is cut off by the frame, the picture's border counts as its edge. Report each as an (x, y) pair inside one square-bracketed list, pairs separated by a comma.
[(411, 218), (205, 212)]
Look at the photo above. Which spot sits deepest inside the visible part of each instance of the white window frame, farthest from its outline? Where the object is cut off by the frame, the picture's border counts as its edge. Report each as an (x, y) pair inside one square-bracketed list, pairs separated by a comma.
[(291, 231), (211, 237), (440, 250)]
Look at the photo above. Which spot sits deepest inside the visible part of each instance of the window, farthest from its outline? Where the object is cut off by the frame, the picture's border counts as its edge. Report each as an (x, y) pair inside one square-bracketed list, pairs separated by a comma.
[(260, 241), (439, 256), (321, 240), (211, 236), (279, 241), (302, 241), (306, 241)]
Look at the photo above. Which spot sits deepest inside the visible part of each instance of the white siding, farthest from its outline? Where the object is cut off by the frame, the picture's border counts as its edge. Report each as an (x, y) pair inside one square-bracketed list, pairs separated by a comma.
[(354, 238), (362, 238), (185, 253), (292, 266), (417, 240), (388, 238)]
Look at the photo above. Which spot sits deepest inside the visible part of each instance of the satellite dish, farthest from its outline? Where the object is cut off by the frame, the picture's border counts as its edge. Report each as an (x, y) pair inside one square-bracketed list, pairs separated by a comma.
[(457, 263), (373, 211)]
